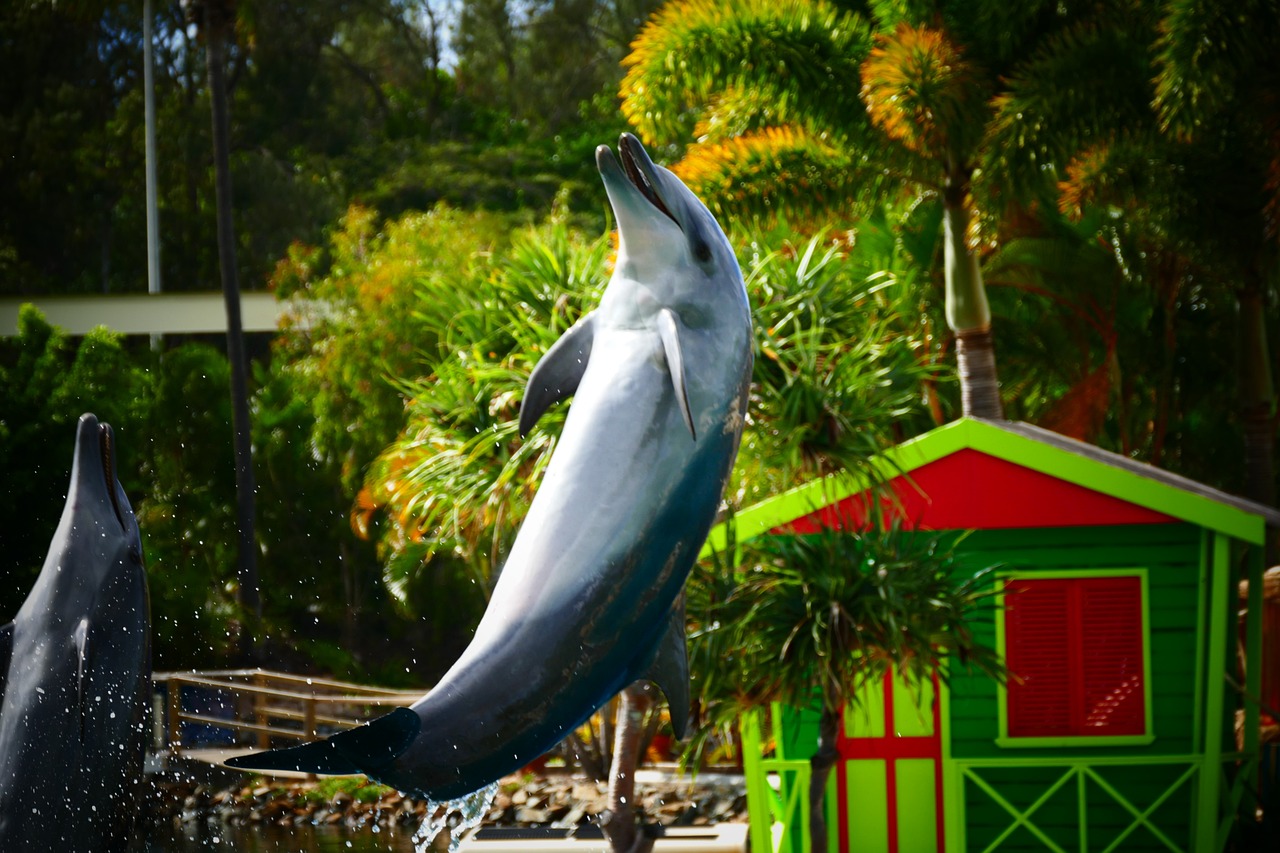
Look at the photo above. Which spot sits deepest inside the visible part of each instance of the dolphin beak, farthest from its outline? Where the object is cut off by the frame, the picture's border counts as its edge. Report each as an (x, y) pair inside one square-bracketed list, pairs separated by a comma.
[(95, 466), (636, 172)]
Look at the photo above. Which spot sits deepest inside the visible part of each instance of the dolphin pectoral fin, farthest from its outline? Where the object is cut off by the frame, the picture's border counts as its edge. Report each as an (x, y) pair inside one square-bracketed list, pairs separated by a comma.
[(6, 652), (359, 750), (557, 373), (670, 669), (669, 331)]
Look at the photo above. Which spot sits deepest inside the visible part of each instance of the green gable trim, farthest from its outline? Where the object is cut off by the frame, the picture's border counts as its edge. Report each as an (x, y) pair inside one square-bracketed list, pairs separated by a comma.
[(1013, 446)]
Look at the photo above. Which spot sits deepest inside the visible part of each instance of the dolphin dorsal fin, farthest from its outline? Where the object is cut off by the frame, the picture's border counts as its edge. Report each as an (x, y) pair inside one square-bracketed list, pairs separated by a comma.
[(558, 372), (6, 653), (670, 669), (669, 331)]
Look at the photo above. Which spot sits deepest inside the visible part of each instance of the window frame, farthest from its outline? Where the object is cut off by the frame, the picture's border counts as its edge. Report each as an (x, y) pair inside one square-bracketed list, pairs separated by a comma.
[(1006, 740)]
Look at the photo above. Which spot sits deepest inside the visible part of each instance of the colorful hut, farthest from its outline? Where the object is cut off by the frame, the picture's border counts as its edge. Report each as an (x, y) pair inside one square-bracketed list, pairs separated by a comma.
[(1118, 617)]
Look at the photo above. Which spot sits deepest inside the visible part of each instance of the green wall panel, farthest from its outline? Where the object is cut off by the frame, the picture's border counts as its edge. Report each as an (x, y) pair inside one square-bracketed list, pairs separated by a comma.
[(917, 805), (1170, 553), (868, 806)]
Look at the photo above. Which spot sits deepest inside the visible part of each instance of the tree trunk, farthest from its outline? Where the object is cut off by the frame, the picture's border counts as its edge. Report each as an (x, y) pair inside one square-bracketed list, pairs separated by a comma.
[(1257, 402), (819, 771), (968, 313), (217, 28), (625, 833), (979, 385)]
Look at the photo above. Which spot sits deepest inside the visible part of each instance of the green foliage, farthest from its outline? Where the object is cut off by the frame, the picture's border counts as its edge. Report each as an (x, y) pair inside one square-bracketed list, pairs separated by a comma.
[(187, 511), (363, 328), (457, 481), (359, 789), (844, 364)]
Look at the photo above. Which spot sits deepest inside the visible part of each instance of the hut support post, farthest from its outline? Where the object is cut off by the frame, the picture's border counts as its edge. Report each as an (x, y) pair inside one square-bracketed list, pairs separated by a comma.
[(757, 783), (1253, 650), (1220, 607)]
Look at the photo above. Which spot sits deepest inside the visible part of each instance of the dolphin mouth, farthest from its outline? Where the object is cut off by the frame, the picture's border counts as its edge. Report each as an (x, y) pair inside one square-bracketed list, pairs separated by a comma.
[(107, 449), (639, 170)]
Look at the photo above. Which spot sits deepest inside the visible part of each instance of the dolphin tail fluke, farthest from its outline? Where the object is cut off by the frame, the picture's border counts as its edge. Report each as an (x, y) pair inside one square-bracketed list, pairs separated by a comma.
[(319, 756), (359, 750)]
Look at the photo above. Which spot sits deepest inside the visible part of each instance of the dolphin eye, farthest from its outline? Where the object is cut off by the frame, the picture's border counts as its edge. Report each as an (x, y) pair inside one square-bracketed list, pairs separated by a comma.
[(702, 251)]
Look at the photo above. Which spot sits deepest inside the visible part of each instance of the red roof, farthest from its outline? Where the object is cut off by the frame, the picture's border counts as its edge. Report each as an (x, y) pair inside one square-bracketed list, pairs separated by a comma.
[(970, 489)]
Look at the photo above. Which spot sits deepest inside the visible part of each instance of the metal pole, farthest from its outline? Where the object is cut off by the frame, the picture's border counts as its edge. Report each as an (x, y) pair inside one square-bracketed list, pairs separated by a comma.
[(153, 214)]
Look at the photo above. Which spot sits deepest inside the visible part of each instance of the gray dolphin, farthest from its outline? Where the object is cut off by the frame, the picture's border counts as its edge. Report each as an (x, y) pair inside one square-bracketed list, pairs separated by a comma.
[(75, 672), (587, 601)]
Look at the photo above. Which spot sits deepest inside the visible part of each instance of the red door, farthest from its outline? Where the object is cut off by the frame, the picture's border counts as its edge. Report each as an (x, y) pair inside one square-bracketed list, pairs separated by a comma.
[(889, 776)]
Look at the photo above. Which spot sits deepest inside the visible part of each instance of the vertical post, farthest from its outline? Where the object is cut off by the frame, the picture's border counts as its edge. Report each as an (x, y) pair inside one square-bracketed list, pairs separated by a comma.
[(309, 718), (1253, 649), (260, 712), (1220, 607), (173, 716), (759, 813), (153, 215)]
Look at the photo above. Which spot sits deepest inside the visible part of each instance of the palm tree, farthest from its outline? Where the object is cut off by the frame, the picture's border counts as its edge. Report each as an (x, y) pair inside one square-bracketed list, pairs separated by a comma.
[(800, 108), (815, 618)]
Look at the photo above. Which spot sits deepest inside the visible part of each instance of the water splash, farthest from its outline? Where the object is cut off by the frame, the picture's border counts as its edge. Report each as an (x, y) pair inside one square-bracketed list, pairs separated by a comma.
[(458, 816)]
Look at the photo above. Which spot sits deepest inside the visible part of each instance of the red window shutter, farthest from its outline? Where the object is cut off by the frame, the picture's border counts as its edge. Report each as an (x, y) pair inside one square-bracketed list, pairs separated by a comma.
[(1074, 647), (1037, 625), (1114, 698)]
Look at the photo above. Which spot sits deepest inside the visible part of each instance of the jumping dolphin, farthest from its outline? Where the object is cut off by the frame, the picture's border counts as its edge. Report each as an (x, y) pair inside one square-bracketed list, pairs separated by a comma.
[(587, 601), (75, 672)]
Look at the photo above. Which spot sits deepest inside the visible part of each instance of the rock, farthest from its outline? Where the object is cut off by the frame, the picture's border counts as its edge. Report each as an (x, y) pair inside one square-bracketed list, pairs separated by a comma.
[(563, 800)]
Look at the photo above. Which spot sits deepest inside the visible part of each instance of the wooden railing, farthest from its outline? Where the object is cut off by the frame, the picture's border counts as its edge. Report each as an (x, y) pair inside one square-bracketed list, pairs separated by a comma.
[(270, 705)]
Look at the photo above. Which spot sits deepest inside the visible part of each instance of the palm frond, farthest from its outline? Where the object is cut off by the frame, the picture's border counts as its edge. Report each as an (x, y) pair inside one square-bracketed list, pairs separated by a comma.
[(829, 612), (734, 112), (1206, 55), (802, 55), (921, 91), (1055, 105), (763, 174)]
